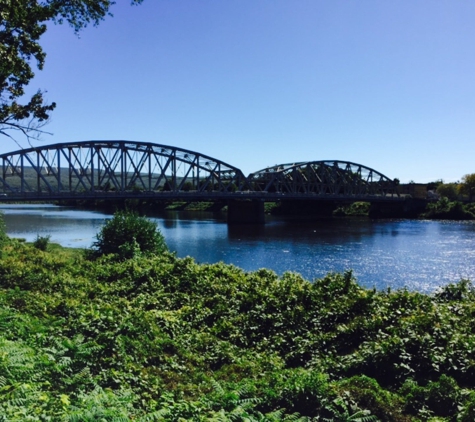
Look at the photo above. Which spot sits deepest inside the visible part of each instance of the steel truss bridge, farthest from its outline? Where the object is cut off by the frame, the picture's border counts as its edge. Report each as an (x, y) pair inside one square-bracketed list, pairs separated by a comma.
[(122, 169)]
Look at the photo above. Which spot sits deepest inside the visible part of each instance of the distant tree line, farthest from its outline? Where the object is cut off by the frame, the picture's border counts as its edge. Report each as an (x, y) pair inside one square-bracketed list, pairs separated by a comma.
[(454, 191)]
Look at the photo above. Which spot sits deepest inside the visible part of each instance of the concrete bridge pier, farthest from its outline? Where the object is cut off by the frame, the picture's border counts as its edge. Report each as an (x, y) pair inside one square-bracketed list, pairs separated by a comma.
[(242, 211)]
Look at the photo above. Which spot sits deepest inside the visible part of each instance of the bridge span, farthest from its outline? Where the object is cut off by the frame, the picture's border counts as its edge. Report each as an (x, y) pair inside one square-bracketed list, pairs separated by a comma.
[(123, 169)]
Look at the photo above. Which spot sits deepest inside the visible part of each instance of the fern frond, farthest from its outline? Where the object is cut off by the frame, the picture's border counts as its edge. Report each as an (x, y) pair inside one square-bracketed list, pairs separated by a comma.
[(276, 415), (158, 415), (246, 403), (217, 387)]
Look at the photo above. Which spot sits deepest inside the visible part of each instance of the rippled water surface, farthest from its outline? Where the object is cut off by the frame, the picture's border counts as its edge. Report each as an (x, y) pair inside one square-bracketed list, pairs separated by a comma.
[(417, 254)]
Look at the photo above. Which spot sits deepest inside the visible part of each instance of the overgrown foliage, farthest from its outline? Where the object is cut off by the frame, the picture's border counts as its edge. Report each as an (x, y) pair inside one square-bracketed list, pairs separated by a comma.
[(3, 232), (450, 210), (41, 242), (448, 190), (162, 338), (128, 235), (358, 209), (467, 186)]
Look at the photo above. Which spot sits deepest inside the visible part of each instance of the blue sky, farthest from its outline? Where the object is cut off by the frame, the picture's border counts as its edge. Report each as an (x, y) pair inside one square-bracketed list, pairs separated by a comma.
[(387, 84)]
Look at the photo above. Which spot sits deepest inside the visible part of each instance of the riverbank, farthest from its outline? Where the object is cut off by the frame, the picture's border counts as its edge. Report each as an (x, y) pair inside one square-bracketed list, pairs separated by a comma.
[(443, 209), (163, 338)]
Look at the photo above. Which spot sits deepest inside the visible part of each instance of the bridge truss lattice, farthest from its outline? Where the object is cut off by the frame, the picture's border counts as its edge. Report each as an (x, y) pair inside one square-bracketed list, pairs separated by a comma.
[(331, 178), (103, 168)]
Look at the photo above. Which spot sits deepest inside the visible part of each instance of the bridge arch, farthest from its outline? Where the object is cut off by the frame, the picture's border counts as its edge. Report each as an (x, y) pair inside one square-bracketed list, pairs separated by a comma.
[(330, 178), (94, 168)]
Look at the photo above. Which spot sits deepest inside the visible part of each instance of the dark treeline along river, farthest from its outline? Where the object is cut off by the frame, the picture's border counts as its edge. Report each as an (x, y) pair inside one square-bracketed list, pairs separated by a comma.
[(420, 255)]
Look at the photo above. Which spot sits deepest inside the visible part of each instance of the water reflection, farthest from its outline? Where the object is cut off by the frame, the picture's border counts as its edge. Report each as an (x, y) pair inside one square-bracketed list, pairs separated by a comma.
[(419, 255)]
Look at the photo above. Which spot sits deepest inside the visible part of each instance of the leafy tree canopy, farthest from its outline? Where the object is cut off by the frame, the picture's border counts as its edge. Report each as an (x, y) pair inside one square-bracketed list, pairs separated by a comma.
[(448, 190), (22, 23), (467, 186)]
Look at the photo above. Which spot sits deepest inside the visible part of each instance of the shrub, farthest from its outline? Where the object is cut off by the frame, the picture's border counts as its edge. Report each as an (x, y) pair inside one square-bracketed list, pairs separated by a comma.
[(300, 390), (41, 242), (445, 209), (3, 229), (466, 411), (437, 397), (354, 209), (127, 235)]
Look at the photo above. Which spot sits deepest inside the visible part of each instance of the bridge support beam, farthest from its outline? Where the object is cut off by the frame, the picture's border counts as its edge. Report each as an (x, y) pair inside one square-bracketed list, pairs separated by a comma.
[(246, 212)]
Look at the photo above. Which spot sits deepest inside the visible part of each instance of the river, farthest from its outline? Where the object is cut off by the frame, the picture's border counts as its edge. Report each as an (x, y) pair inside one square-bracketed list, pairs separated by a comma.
[(420, 255)]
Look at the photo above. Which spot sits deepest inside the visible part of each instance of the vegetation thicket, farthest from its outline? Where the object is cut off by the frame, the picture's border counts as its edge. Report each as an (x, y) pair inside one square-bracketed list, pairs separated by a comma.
[(449, 210), (354, 209), (127, 235), (156, 337)]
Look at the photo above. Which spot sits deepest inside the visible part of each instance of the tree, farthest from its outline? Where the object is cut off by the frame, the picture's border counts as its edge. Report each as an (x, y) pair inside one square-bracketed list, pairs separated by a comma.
[(467, 186), (22, 23), (448, 190), (128, 234)]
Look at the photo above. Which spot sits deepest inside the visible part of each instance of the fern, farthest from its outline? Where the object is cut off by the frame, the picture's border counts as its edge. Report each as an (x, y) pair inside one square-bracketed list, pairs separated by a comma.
[(276, 416), (344, 409), (248, 402), (104, 405), (217, 387), (17, 361), (155, 416)]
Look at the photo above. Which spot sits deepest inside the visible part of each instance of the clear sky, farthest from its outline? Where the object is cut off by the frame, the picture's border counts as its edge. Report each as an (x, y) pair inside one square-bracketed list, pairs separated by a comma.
[(387, 84)]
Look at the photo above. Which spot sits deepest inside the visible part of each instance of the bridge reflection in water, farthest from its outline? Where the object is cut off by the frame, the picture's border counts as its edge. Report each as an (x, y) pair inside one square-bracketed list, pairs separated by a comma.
[(122, 169)]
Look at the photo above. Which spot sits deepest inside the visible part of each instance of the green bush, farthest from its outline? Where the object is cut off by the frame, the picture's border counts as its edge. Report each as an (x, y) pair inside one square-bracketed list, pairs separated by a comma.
[(302, 390), (128, 235), (3, 230), (368, 394), (41, 242), (446, 209), (164, 338), (354, 209)]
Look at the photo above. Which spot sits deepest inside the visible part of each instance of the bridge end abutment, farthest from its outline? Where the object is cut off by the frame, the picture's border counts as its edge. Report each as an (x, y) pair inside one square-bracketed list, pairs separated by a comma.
[(248, 212)]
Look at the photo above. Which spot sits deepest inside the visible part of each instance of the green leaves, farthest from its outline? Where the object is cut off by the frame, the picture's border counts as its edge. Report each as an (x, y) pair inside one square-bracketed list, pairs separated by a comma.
[(155, 337), (446, 209), (22, 23), (127, 235)]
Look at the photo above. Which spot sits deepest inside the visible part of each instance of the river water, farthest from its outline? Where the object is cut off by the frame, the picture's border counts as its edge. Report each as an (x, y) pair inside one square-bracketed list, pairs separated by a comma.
[(420, 255)]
